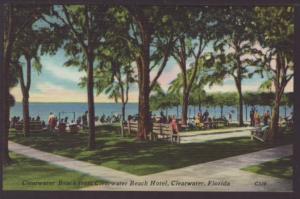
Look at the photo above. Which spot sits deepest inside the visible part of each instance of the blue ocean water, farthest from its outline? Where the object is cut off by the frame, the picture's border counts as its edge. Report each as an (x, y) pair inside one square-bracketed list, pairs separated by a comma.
[(43, 110)]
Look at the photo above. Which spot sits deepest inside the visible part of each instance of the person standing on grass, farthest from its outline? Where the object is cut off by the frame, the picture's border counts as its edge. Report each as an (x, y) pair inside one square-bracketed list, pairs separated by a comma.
[(229, 117), (266, 118), (205, 116), (174, 127), (84, 120), (51, 122), (252, 116)]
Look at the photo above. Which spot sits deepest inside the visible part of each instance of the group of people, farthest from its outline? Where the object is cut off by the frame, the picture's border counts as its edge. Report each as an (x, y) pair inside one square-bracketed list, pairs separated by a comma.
[(83, 120), (109, 119), (161, 118), (203, 120), (61, 124), (256, 119)]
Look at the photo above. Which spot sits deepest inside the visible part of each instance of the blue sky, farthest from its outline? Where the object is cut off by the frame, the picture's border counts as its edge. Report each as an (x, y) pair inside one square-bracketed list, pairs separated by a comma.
[(57, 83)]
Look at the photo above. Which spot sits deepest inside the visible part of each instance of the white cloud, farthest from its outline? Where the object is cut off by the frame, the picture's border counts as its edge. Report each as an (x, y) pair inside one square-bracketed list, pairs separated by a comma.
[(230, 88), (49, 92), (63, 72), (250, 87)]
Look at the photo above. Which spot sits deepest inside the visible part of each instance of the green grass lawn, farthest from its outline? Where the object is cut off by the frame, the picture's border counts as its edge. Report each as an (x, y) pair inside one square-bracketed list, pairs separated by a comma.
[(280, 168), (23, 171), (222, 127), (140, 158)]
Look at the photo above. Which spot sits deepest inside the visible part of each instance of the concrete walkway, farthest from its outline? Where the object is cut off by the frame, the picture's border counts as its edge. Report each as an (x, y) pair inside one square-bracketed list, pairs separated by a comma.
[(215, 131), (69, 163), (210, 137), (219, 175)]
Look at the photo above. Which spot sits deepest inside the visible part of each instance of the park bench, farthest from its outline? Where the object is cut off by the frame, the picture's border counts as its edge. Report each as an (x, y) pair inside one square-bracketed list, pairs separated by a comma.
[(132, 127), (164, 131), (73, 128), (35, 126), (260, 133), (159, 130)]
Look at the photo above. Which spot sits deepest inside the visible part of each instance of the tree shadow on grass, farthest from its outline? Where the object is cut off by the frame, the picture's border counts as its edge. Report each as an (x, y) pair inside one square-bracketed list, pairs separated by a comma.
[(280, 168), (141, 158)]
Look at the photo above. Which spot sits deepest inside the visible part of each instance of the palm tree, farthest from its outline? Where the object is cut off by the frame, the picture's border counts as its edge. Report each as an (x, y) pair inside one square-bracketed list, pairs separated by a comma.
[(197, 96), (160, 99), (27, 46)]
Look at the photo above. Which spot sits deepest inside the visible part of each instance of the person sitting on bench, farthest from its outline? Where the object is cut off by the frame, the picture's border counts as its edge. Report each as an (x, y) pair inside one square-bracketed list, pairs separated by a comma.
[(257, 119), (260, 131), (198, 120)]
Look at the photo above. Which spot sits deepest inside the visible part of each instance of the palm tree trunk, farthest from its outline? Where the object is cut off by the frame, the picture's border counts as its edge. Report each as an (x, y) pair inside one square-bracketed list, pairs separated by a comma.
[(144, 92), (246, 112), (25, 93), (144, 114), (91, 106), (123, 110), (123, 118), (185, 104), (221, 111), (6, 115), (5, 82), (274, 122), (274, 132), (240, 106), (26, 120), (238, 82)]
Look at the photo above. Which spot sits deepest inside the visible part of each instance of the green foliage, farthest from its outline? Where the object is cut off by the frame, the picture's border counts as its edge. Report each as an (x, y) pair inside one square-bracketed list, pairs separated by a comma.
[(275, 33), (288, 99), (163, 100), (21, 19), (27, 46), (267, 98), (225, 99), (198, 94), (79, 29), (266, 85), (237, 51), (277, 27)]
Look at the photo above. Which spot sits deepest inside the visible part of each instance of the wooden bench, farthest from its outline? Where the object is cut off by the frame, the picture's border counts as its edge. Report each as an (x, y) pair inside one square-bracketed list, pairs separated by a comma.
[(73, 128), (35, 126), (164, 131), (159, 130), (132, 127), (260, 133)]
